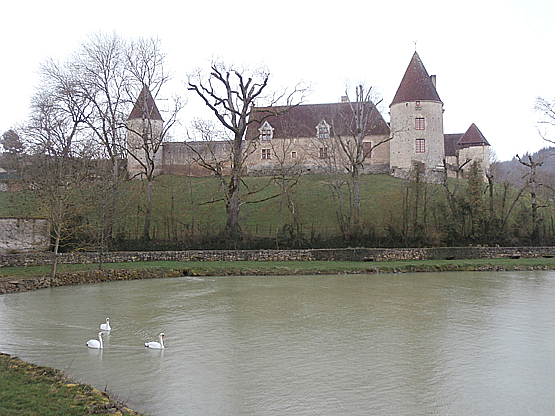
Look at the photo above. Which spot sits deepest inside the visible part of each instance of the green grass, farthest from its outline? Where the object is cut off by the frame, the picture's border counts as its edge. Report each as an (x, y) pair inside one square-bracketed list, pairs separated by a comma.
[(28, 389), (187, 202)]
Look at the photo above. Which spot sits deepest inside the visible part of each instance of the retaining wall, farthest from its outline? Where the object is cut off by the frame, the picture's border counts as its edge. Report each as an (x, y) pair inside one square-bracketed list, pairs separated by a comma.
[(348, 254)]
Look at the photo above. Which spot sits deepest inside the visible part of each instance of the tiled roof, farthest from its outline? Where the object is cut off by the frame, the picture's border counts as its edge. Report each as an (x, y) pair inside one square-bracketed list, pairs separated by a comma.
[(416, 84), (473, 137), (145, 107), (301, 120), (451, 141), (457, 141)]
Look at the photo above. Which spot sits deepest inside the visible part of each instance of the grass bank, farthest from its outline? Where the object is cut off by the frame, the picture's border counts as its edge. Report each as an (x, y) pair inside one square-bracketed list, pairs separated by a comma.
[(28, 389), (243, 268)]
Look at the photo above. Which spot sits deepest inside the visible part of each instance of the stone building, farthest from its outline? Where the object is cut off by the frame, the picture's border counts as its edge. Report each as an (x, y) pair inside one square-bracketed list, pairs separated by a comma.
[(144, 136), (303, 139), (416, 122)]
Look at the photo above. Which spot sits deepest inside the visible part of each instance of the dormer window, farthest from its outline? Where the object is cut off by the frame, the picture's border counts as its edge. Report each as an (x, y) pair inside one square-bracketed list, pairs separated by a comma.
[(266, 132), (323, 130)]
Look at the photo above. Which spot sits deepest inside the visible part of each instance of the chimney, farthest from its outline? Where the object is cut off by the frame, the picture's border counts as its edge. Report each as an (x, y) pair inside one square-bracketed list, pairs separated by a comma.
[(433, 78), (344, 99)]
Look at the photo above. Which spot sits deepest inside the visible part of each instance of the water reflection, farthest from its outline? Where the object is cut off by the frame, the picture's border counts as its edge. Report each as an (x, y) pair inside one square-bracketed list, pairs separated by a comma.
[(450, 343)]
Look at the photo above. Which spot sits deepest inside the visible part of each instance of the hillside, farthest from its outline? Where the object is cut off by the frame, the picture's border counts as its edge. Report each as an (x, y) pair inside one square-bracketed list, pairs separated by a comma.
[(188, 212)]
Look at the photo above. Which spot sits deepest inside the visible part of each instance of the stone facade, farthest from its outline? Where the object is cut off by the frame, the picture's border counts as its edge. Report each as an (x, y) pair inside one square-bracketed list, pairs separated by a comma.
[(304, 139)]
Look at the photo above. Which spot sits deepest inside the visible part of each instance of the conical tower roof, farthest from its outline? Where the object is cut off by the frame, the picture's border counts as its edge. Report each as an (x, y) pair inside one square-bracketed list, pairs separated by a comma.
[(145, 107), (416, 84), (473, 137)]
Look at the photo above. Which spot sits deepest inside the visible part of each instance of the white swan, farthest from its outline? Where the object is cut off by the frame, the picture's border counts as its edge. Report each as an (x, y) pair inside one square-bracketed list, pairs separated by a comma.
[(106, 326), (156, 345), (95, 343)]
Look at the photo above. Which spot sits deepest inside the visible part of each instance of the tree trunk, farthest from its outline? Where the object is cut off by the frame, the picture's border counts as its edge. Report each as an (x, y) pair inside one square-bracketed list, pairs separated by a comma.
[(356, 199), (55, 255), (232, 206), (148, 211)]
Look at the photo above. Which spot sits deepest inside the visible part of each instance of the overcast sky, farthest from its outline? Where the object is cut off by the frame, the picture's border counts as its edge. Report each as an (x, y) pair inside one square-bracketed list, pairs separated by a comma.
[(491, 58)]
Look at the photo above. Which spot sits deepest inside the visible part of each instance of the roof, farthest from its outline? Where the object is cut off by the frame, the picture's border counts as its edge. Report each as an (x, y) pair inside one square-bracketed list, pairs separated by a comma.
[(145, 107), (301, 120), (473, 137), (457, 141), (416, 84)]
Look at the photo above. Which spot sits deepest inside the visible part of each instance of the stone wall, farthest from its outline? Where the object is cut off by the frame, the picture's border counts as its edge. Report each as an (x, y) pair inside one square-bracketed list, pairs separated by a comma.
[(349, 254), (90, 276), (23, 235)]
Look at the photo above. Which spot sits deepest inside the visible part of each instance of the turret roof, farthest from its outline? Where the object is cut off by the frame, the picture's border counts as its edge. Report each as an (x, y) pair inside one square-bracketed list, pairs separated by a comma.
[(457, 141), (473, 137), (145, 107), (416, 84)]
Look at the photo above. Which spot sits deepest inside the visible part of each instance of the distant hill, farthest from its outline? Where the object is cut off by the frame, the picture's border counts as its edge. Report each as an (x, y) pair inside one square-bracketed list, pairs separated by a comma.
[(514, 172)]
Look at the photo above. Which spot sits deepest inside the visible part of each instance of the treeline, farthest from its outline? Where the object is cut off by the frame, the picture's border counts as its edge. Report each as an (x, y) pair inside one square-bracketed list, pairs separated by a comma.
[(188, 213)]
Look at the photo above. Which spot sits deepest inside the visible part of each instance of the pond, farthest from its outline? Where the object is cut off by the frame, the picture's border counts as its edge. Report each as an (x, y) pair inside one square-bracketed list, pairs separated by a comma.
[(475, 343)]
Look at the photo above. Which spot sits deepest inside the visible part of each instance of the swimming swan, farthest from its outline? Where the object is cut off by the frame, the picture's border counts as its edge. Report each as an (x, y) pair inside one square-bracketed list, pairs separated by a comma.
[(95, 343), (156, 345), (106, 326)]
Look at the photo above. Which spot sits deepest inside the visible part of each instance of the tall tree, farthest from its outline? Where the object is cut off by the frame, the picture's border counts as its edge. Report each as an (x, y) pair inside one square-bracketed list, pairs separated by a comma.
[(361, 121), (96, 80), (60, 162), (230, 94), (146, 63)]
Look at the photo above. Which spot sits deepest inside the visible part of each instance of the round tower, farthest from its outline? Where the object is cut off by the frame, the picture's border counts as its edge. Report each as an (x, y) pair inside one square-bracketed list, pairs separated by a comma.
[(416, 121)]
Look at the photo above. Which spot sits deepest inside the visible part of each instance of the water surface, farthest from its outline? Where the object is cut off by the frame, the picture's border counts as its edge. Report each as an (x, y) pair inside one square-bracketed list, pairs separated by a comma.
[(392, 344)]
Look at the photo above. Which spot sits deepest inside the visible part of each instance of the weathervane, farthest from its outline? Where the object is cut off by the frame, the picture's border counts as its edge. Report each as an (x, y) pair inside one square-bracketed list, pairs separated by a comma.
[(414, 41)]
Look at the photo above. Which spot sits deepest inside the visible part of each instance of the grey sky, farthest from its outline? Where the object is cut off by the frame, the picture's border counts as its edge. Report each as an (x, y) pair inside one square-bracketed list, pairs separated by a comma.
[(491, 58)]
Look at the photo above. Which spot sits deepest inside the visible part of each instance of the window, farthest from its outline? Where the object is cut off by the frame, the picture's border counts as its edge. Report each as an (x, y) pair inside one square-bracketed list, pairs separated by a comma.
[(266, 132), (367, 149), (266, 154), (293, 155), (420, 145), (323, 130), (323, 152), (419, 123)]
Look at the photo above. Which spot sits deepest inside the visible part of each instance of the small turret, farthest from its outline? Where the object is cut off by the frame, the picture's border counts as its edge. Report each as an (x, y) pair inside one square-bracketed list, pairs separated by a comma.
[(144, 130)]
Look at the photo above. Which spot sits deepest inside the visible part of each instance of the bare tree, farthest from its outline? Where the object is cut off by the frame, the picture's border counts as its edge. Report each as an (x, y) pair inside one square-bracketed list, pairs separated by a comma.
[(146, 63), (546, 109), (533, 183), (60, 163), (356, 125), (103, 79), (230, 94), (95, 79)]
